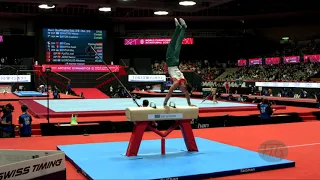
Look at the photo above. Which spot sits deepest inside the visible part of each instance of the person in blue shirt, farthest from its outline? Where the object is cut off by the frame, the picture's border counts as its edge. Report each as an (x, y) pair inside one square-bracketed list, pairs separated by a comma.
[(69, 87), (6, 127), (317, 96), (56, 93), (44, 89), (265, 111), (25, 121)]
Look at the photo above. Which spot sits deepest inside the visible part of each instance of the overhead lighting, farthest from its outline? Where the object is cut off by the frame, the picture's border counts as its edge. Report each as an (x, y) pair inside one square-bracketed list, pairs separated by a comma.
[(105, 9), (46, 6), (161, 13), (187, 3)]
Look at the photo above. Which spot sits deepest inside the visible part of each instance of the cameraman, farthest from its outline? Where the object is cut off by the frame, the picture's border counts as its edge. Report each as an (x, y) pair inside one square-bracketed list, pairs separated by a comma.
[(6, 127), (265, 111)]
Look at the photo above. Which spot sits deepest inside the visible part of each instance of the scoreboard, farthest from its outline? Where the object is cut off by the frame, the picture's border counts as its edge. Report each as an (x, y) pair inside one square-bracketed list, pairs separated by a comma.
[(70, 45)]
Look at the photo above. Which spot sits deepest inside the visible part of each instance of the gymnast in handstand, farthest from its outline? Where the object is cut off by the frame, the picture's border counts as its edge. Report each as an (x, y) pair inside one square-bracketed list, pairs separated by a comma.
[(172, 61)]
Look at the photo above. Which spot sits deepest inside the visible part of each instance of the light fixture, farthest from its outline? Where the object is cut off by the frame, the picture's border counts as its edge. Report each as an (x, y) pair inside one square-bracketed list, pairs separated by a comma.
[(46, 6), (161, 13), (105, 9), (187, 3)]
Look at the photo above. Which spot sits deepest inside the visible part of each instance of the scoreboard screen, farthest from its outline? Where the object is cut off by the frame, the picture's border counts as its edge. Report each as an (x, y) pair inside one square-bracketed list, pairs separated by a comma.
[(71, 45)]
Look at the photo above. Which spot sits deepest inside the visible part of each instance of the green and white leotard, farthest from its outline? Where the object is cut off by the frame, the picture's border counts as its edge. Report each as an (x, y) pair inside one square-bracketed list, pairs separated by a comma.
[(173, 53)]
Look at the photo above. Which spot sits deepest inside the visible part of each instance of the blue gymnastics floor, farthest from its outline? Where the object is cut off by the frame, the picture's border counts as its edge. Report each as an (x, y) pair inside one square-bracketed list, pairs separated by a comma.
[(214, 159), (70, 105), (165, 91), (30, 94)]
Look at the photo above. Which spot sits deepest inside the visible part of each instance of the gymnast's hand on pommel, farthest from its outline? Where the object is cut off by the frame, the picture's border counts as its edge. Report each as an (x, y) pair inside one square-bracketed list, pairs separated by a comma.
[(165, 104)]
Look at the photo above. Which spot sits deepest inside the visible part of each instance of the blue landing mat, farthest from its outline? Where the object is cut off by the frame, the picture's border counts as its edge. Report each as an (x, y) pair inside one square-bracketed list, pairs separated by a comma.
[(107, 160), (165, 91), (69, 105), (30, 94)]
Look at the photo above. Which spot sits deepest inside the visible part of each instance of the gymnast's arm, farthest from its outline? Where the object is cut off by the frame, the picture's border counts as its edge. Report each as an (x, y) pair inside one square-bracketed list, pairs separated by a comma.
[(169, 94), (187, 97)]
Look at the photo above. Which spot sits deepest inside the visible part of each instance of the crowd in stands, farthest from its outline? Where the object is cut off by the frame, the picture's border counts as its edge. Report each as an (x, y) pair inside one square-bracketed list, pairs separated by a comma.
[(285, 72), (282, 72), (297, 49)]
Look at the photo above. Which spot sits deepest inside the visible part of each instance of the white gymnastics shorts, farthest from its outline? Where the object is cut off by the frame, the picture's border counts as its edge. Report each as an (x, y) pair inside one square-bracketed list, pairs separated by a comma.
[(175, 73)]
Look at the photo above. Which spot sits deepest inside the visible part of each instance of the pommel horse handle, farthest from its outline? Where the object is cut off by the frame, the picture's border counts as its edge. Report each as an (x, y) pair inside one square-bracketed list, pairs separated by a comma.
[(174, 104), (141, 116), (153, 105)]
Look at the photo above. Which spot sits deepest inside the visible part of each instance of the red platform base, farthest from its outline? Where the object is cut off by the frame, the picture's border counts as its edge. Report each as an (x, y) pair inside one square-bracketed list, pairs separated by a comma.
[(140, 127)]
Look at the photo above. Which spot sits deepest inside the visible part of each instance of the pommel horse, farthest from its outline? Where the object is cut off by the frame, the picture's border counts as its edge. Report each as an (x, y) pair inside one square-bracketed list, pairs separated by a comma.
[(141, 116)]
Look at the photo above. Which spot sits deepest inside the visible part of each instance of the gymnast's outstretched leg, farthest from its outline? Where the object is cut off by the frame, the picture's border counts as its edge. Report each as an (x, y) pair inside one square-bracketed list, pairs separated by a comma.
[(171, 59), (214, 94), (180, 38)]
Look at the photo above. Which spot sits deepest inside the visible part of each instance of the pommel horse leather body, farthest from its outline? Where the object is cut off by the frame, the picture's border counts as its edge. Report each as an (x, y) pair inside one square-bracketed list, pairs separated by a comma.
[(141, 116)]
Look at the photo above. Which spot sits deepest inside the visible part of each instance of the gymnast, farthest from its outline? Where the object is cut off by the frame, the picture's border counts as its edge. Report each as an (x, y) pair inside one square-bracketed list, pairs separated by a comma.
[(172, 62), (212, 95)]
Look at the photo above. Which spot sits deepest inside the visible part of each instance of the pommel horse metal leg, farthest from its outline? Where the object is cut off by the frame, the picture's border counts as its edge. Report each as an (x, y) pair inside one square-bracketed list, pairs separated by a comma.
[(136, 138), (140, 127), (188, 136)]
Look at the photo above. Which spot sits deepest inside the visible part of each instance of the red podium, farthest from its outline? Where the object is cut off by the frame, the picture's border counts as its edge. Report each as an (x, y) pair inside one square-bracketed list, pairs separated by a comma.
[(143, 115)]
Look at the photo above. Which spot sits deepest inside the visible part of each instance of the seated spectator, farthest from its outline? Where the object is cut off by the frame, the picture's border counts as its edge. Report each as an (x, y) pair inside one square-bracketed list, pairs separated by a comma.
[(25, 121), (240, 98), (265, 111), (303, 93), (255, 100), (42, 89)]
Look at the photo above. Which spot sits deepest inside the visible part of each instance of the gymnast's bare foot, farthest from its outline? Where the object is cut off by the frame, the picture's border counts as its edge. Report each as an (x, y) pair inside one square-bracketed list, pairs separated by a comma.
[(183, 23), (177, 22)]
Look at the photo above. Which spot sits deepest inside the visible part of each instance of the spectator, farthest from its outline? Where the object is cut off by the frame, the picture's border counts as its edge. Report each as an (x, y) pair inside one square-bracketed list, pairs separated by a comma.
[(317, 96), (265, 111), (69, 90), (227, 86), (255, 100), (240, 98), (42, 89), (6, 127), (56, 93), (25, 121), (303, 93)]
